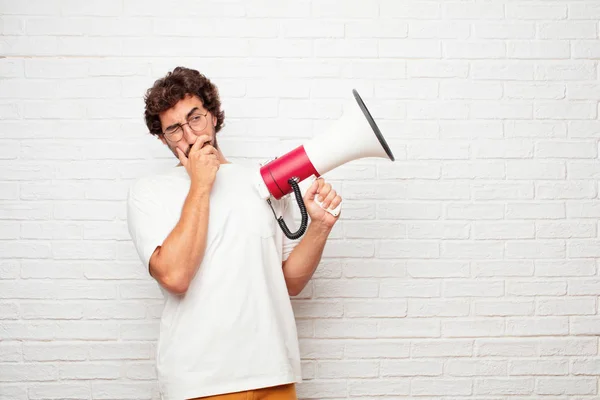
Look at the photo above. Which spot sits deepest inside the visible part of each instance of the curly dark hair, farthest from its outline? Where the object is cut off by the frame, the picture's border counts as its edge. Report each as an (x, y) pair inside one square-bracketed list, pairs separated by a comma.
[(176, 85)]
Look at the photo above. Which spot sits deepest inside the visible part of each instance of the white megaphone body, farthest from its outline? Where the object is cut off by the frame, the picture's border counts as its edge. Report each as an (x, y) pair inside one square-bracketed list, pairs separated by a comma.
[(354, 136)]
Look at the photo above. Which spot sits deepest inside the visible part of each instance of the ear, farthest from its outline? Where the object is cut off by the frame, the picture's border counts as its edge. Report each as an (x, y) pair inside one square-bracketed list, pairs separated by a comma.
[(162, 138), (214, 120)]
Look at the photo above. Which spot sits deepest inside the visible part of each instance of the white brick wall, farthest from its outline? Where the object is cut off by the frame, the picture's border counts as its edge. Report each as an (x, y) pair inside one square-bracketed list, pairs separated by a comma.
[(468, 269)]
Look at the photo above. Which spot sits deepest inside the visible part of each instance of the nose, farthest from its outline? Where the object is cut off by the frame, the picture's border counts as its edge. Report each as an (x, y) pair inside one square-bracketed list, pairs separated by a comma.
[(189, 135)]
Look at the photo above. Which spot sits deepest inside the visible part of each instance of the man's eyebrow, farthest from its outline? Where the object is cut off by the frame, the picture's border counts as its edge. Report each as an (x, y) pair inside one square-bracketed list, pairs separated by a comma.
[(193, 110), (186, 117)]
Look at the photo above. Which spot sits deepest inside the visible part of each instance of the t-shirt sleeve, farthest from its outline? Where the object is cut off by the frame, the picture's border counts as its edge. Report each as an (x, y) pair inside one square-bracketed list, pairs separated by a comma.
[(288, 216), (146, 223)]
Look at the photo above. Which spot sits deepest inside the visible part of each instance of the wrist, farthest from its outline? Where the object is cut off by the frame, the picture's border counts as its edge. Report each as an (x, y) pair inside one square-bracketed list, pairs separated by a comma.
[(199, 192), (319, 228)]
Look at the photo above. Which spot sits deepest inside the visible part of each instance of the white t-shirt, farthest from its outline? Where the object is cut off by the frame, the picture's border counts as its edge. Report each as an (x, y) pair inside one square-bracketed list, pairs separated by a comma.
[(234, 328)]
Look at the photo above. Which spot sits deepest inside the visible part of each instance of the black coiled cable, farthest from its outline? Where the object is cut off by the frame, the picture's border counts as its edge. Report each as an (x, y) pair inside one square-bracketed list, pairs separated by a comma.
[(304, 222)]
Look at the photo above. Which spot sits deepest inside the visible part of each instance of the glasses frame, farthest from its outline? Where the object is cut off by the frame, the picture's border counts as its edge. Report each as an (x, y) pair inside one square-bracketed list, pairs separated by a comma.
[(180, 127)]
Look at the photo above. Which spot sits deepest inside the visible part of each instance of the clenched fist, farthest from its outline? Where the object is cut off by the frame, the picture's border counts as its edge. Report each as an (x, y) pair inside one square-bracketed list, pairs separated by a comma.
[(328, 197), (201, 163)]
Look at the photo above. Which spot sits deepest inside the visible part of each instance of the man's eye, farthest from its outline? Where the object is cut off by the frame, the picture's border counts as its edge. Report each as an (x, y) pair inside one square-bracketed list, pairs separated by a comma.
[(196, 118)]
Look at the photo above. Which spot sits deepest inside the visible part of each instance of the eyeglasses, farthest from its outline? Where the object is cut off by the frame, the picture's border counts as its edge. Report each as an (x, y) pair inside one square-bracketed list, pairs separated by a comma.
[(196, 121)]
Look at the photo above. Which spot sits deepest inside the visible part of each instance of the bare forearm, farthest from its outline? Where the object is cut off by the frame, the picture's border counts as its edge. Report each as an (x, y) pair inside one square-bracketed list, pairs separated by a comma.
[(182, 251), (304, 259)]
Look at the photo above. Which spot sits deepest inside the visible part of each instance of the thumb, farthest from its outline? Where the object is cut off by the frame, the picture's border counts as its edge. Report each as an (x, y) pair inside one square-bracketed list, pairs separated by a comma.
[(181, 156)]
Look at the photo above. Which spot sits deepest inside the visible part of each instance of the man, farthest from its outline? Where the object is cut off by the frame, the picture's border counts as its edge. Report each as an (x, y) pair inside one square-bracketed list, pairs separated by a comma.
[(213, 245)]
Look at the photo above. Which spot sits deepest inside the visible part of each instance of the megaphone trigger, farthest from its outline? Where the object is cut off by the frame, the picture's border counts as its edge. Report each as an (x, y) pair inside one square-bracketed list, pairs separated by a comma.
[(335, 212)]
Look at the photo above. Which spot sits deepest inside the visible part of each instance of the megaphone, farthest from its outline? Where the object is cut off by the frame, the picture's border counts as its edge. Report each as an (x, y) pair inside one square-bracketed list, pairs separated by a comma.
[(354, 136)]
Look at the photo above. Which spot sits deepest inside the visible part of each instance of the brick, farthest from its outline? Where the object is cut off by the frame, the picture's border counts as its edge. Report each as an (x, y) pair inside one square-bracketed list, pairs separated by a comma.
[(430, 387), (379, 387), (437, 308), (412, 9), (321, 349), (391, 288), (10, 352), (473, 11), (568, 386), (438, 29), (476, 368), (62, 390), (481, 169), (376, 29), (473, 328), (396, 368), (535, 129), (586, 367), (539, 11), (508, 268), (576, 306), (506, 347), (537, 327), (504, 230), (474, 49), (381, 348), (566, 71), (408, 328), (504, 386), (561, 347), (28, 372), (442, 348), (585, 325), (517, 90), (375, 309), (345, 329), (510, 30), (536, 288), (123, 390), (495, 308), (347, 369)]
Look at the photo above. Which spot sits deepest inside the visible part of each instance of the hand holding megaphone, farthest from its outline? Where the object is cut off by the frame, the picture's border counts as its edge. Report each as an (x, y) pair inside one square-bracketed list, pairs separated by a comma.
[(335, 211), (352, 137), (305, 187)]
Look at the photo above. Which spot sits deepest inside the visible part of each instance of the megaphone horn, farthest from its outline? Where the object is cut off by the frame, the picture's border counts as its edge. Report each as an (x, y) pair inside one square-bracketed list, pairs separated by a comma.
[(354, 136)]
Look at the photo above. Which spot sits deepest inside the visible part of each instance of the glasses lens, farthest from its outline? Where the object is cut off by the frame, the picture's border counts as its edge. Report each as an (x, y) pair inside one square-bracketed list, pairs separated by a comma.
[(171, 130), (174, 134), (198, 122)]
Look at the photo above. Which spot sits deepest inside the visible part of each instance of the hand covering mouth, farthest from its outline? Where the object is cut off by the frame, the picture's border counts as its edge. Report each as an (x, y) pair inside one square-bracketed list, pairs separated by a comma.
[(187, 152)]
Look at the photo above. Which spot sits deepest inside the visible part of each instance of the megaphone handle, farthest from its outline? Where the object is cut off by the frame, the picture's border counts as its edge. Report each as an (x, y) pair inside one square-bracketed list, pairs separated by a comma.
[(335, 212), (303, 223)]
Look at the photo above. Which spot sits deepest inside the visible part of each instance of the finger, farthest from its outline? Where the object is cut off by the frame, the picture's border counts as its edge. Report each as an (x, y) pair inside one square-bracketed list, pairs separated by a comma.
[(199, 143), (312, 190), (324, 192), (322, 183), (327, 202), (208, 149), (181, 156), (337, 200)]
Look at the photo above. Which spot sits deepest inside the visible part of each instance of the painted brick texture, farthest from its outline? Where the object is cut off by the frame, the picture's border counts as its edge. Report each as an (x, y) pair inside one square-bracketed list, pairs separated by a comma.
[(468, 269)]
